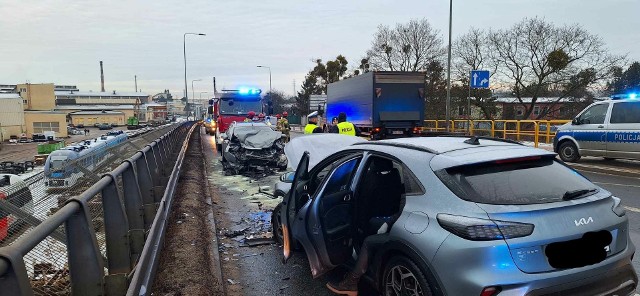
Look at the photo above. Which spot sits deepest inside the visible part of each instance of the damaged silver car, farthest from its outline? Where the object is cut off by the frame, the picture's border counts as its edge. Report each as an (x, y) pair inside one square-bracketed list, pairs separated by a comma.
[(251, 147)]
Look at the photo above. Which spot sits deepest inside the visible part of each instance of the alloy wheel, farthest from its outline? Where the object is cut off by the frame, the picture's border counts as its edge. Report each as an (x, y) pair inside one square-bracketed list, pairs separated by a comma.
[(401, 281)]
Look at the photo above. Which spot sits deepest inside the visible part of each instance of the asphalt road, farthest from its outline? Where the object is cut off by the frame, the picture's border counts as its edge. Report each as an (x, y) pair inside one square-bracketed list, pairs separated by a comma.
[(627, 188)]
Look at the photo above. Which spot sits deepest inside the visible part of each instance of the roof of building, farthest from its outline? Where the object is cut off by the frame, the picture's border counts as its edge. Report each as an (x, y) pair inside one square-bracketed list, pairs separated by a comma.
[(44, 111), (95, 107), (103, 112), (99, 94), (9, 96)]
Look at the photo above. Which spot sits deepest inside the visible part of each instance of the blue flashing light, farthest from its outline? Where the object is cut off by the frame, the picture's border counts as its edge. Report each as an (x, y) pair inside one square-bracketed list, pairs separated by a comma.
[(208, 120), (630, 96), (249, 91)]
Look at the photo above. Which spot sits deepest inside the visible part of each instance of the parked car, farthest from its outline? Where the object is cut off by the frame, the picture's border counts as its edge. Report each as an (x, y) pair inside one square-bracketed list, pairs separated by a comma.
[(609, 129), (80, 125), (105, 126), (466, 216)]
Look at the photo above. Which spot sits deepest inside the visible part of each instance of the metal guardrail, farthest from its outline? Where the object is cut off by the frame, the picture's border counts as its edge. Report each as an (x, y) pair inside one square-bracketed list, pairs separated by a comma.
[(134, 212), (536, 131)]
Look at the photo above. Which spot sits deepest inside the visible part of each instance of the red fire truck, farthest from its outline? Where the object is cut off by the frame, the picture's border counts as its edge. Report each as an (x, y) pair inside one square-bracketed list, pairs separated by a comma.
[(234, 105)]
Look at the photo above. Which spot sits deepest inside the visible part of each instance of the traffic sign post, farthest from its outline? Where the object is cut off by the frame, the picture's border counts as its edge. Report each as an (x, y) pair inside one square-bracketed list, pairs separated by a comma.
[(479, 79)]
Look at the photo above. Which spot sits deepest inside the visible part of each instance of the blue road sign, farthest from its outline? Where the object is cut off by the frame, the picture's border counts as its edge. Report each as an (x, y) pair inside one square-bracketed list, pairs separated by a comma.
[(479, 79)]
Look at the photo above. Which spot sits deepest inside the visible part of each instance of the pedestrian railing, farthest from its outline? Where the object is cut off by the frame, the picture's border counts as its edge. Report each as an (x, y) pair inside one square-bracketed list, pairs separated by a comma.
[(112, 251), (536, 131)]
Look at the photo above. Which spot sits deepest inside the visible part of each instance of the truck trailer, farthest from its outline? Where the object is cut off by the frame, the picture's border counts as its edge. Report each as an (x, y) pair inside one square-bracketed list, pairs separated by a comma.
[(381, 104)]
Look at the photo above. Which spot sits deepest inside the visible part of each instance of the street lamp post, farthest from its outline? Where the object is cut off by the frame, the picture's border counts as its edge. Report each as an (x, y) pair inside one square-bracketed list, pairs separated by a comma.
[(270, 93), (193, 100), (184, 52), (448, 105)]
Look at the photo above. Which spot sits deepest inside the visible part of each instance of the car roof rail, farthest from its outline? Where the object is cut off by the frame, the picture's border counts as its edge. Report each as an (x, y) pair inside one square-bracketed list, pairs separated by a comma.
[(473, 139), (399, 145)]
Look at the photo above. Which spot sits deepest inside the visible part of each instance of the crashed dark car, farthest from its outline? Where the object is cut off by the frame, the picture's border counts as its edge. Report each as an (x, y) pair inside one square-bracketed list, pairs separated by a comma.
[(252, 147)]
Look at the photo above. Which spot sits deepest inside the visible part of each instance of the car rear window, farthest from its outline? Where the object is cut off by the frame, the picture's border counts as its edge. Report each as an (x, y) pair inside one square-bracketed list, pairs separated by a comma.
[(514, 182)]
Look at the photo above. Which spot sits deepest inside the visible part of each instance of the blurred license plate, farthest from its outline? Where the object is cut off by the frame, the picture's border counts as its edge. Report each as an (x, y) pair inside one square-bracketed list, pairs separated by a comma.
[(397, 132)]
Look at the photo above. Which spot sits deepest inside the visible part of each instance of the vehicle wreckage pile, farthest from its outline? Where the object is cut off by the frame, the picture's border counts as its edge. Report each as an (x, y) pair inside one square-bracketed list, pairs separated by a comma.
[(253, 149)]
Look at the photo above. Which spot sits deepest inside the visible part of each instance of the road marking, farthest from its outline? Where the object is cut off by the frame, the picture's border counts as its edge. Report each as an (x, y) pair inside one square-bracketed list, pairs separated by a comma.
[(614, 184), (628, 208), (601, 173)]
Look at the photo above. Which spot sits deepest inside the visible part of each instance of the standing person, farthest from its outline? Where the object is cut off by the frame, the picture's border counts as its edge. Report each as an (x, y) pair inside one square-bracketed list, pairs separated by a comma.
[(312, 127), (284, 126), (344, 127)]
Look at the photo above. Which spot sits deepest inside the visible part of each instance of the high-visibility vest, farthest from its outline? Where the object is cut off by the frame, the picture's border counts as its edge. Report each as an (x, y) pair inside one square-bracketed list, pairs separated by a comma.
[(346, 128), (308, 129)]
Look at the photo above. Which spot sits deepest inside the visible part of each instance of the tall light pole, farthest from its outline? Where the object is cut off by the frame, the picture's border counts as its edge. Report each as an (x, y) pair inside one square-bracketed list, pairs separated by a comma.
[(192, 100), (448, 106), (184, 52), (270, 93)]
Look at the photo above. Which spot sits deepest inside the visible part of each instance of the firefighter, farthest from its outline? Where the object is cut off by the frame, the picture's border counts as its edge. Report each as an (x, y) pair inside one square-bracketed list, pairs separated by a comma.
[(283, 125), (344, 127), (261, 117), (250, 116), (312, 127)]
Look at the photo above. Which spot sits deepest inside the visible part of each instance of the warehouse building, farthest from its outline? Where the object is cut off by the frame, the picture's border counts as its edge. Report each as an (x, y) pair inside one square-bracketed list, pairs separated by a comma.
[(92, 118), (11, 116), (99, 98)]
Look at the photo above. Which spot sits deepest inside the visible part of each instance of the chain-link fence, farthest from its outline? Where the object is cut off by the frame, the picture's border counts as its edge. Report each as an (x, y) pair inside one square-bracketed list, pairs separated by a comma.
[(26, 204)]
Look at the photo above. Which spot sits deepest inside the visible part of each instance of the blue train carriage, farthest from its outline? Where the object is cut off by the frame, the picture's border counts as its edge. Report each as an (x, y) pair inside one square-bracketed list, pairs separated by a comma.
[(61, 168)]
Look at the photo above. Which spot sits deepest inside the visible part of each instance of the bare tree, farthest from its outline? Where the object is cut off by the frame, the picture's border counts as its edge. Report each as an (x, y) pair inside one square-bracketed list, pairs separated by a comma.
[(535, 57), (407, 47), (471, 52)]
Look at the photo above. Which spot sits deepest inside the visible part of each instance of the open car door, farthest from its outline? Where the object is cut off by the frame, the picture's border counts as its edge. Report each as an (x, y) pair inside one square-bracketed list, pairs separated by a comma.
[(292, 203), (324, 225)]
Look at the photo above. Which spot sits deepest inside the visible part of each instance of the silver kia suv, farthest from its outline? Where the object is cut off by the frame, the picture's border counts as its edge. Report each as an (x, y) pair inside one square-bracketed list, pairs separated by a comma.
[(477, 216)]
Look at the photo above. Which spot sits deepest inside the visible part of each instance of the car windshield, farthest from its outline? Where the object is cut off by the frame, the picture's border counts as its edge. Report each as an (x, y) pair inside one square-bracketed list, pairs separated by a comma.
[(240, 107), (516, 183)]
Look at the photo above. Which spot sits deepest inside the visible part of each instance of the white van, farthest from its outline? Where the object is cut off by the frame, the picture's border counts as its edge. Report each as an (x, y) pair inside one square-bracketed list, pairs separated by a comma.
[(609, 129)]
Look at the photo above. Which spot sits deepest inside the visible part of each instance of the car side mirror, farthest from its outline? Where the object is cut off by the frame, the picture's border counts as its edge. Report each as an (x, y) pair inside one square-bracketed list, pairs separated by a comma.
[(287, 177), (575, 121)]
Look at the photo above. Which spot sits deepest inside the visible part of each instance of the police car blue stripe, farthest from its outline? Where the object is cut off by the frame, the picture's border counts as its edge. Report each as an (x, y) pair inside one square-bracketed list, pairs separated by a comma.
[(623, 137), (597, 136)]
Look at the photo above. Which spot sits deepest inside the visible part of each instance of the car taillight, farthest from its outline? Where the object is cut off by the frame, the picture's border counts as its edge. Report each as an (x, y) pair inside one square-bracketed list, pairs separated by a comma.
[(519, 159), (490, 291), (482, 229), (376, 129), (416, 130)]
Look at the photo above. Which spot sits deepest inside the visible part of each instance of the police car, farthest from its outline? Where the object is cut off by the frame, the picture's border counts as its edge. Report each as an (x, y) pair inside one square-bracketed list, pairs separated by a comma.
[(609, 129)]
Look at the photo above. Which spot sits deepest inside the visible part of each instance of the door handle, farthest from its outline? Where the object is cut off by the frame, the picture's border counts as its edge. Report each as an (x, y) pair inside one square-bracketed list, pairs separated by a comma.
[(600, 126), (347, 197)]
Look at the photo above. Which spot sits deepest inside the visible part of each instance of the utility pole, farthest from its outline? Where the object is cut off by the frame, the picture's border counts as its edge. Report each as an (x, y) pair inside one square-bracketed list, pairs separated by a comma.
[(448, 106), (135, 78), (184, 52)]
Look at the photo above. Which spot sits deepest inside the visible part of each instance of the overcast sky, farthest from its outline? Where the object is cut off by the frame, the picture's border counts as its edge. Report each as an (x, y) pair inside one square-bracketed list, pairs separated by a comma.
[(62, 41)]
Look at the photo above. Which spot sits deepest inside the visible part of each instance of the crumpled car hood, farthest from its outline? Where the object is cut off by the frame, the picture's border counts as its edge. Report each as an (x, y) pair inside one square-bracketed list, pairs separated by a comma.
[(255, 139), (319, 146)]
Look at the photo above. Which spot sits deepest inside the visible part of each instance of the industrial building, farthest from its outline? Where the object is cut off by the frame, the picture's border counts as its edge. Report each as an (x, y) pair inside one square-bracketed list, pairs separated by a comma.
[(11, 115), (91, 118), (37, 108)]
